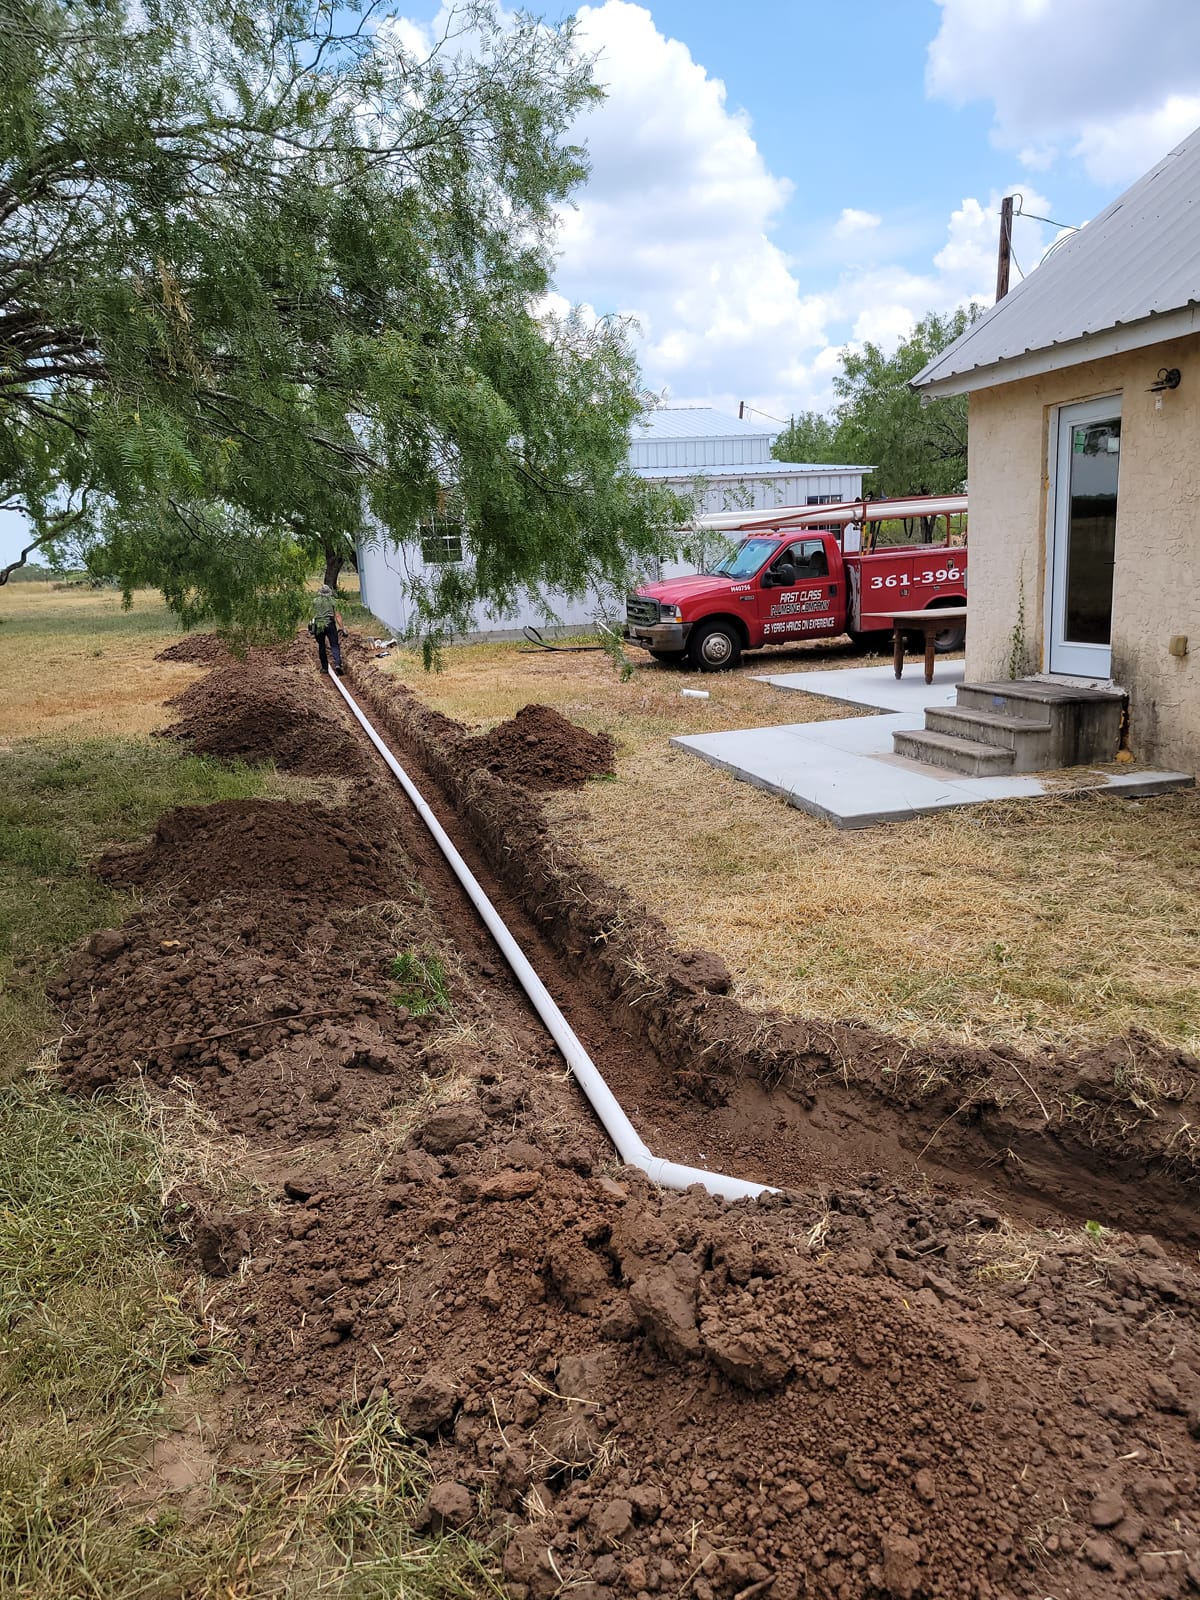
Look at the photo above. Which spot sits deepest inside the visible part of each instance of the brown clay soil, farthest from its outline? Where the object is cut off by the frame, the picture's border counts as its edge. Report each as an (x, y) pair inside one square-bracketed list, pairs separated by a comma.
[(872, 1385), (540, 749), (259, 716)]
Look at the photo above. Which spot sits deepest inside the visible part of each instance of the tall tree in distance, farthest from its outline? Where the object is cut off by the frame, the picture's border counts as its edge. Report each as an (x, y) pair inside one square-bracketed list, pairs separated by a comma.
[(270, 277), (809, 437), (914, 448), (879, 421)]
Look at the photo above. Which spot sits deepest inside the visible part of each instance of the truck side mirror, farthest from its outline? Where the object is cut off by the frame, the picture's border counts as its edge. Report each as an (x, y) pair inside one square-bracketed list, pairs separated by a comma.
[(783, 576)]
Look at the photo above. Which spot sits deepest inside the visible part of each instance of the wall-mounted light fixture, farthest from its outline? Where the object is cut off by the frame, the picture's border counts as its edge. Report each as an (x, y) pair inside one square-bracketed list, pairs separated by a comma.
[(1168, 378)]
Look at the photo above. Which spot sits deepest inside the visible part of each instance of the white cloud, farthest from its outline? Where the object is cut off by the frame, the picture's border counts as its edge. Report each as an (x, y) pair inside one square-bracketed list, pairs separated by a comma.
[(1122, 147), (675, 223), (1116, 84), (1037, 157), (853, 221), (676, 227)]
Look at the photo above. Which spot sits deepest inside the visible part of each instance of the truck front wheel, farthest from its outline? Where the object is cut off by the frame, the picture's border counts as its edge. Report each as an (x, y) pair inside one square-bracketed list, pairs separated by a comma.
[(871, 641), (715, 646)]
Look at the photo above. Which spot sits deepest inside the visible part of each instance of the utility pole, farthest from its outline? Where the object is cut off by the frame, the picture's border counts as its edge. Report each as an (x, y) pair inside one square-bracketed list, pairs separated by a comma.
[(741, 410), (1005, 251)]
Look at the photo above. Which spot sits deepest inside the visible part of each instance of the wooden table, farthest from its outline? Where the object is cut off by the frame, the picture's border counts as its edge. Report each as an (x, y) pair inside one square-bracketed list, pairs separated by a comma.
[(930, 623)]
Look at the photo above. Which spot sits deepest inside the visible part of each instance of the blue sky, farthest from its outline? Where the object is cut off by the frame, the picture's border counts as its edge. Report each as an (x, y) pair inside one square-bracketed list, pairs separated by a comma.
[(773, 181)]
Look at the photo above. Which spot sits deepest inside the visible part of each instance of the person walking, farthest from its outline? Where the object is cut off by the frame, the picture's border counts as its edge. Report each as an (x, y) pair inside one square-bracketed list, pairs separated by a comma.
[(324, 627)]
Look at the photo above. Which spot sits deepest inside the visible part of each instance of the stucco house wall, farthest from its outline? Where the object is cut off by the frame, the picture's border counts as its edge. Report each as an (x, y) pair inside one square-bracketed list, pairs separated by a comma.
[(1156, 580)]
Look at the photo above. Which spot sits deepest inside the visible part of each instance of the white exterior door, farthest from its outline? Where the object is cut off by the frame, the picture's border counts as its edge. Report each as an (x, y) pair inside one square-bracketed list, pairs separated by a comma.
[(1083, 529)]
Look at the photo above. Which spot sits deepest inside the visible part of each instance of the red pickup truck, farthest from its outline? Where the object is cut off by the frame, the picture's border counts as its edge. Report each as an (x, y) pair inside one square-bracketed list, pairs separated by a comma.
[(786, 584)]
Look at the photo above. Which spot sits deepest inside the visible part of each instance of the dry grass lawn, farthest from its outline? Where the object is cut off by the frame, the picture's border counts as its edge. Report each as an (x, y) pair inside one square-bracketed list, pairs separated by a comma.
[(1055, 921), (482, 684), (75, 662)]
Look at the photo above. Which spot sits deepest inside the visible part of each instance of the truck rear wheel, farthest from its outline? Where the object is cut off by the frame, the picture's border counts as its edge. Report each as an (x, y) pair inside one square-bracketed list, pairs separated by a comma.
[(952, 637), (715, 646)]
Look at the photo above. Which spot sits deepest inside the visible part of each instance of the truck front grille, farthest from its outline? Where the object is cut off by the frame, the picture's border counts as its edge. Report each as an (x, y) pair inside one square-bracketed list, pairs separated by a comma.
[(640, 610)]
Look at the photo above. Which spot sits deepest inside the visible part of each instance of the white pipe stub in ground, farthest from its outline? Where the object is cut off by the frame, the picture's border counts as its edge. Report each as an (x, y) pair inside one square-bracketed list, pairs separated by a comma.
[(629, 1144)]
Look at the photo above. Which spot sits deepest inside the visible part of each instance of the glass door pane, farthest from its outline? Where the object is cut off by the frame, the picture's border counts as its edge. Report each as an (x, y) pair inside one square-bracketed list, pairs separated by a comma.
[(1091, 531)]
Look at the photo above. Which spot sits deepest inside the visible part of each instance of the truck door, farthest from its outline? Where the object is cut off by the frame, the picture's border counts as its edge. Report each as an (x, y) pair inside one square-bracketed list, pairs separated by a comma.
[(803, 601)]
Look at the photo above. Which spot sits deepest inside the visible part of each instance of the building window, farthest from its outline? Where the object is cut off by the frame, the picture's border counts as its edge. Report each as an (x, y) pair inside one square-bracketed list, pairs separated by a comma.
[(822, 500), (441, 541)]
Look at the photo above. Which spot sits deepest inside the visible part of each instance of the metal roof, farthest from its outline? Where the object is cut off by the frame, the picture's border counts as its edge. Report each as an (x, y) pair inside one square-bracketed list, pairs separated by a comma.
[(1129, 278), (694, 422)]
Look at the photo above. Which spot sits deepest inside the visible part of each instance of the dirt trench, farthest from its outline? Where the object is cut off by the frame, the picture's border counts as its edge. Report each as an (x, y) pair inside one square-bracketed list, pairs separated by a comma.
[(785, 1101), (863, 1389)]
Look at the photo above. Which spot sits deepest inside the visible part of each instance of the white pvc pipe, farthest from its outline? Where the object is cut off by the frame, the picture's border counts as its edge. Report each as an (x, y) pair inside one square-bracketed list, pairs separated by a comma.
[(617, 1125)]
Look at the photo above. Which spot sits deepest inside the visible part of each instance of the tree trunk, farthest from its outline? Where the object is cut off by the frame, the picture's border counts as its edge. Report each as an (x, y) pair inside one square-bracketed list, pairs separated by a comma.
[(334, 562)]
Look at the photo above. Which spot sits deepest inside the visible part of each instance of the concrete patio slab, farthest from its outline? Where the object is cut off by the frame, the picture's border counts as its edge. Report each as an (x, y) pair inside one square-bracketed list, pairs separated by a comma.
[(846, 770), (877, 688)]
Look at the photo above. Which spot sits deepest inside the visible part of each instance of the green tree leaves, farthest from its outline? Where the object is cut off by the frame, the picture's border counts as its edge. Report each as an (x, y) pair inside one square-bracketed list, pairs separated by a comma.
[(809, 437), (270, 282), (879, 421)]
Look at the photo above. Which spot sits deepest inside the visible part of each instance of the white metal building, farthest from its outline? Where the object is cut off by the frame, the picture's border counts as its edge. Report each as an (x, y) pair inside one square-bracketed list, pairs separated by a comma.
[(725, 463), (720, 463)]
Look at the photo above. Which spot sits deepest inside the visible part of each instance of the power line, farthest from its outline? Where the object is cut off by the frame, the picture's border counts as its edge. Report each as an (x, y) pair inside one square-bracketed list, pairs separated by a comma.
[(780, 420), (1008, 212), (1033, 216), (1012, 253)]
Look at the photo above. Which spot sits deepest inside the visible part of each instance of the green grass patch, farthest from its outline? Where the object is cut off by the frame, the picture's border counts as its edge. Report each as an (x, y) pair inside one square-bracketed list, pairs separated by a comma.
[(337, 1522), (63, 612), (61, 804), (90, 1298), (99, 1322), (420, 977)]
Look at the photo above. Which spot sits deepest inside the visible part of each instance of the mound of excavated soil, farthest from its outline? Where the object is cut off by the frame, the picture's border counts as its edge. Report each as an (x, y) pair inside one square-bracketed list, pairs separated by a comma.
[(663, 1395), (202, 649), (210, 650), (251, 711), (283, 1040), (540, 749), (273, 851), (858, 1394)]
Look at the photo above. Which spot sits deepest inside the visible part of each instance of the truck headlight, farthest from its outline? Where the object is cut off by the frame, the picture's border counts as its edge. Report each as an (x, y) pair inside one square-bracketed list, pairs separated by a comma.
[(669, 613)]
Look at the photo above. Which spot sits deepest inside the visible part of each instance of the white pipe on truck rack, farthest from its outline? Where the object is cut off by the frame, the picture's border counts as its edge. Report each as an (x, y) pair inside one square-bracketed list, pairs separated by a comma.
[(630, 1147)]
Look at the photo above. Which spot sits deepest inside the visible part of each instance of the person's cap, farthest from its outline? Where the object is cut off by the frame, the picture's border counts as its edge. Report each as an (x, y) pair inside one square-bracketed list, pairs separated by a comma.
[(324, 589)]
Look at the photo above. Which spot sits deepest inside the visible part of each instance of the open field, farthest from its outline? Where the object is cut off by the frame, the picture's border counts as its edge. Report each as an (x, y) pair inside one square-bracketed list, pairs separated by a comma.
[(1057, 921), (75, 661)]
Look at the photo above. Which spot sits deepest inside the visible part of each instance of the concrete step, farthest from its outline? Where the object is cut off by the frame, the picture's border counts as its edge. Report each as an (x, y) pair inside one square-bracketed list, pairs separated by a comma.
[(1021, 734), (1045, 725), (1029, 697), (967, 756)]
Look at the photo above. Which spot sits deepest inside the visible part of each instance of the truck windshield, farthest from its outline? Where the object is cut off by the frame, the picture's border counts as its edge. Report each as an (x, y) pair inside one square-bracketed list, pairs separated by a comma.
[(745, 561)]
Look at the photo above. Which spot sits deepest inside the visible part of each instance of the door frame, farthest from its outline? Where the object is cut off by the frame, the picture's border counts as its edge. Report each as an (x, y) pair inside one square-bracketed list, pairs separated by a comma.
[(1070, 660)]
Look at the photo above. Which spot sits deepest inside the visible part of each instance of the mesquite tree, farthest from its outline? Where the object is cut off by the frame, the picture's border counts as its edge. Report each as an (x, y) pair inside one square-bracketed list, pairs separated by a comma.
[(271, 277), (915, 447)]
